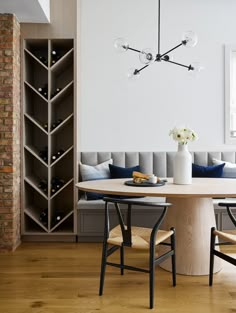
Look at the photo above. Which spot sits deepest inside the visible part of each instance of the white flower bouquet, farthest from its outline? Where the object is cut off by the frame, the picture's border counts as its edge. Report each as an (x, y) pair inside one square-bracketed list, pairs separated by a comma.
[(183, 135)]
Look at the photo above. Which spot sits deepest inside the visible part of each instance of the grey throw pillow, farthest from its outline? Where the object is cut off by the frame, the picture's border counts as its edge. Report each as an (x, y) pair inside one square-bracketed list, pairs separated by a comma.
[(96, 172)]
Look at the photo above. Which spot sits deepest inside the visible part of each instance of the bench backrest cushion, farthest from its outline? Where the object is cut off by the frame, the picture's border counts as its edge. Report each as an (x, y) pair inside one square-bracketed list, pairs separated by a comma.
[(158, 163)]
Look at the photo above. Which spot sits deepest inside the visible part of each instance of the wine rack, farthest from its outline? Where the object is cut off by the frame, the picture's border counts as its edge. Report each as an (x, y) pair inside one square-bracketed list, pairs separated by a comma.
[(49, 147)]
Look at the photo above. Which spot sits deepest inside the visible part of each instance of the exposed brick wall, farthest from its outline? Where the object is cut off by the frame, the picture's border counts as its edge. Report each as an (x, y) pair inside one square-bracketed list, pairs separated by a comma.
[(9, 132)]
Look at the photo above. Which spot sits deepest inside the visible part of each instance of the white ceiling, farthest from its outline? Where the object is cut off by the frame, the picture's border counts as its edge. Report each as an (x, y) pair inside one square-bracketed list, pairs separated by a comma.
[(27, 11)]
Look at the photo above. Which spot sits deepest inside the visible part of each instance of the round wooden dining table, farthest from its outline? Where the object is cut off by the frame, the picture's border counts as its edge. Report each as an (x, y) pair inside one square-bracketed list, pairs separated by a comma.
[(192, 215)]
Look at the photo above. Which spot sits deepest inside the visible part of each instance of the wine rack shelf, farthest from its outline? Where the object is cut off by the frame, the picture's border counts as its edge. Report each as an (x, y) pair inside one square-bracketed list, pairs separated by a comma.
[(49, 195)]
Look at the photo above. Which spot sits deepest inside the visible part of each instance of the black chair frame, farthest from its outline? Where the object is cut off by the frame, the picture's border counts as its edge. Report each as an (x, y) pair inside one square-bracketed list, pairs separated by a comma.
[(127, 242), (213, 244)]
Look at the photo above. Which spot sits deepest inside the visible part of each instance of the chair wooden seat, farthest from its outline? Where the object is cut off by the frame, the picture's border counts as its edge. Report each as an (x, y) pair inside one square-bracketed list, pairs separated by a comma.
[(227, 236), (140, 237)]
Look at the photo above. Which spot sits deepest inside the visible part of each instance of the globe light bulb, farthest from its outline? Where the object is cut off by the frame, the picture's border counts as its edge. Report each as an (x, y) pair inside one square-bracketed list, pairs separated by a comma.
[(146, 56), (195, 68), (133, 74), (189, 39), (121, 45)]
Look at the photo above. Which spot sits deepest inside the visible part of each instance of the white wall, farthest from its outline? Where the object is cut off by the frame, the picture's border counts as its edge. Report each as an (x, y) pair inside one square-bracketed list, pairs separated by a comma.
[(118, 115)]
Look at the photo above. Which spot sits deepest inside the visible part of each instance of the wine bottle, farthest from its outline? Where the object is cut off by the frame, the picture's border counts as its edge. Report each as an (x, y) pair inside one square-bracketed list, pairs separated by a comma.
[(43, 217), (54, 188), (57, 155), (60, 152), (43, 185), (54, 157), (54, 180), (57, 90), (43, 90), (43, 60), (56, 184), (59, 121), (58, 217), (45, 93), (44, 154), (54, 125), (45, 126), (54, 56), (59, 183)]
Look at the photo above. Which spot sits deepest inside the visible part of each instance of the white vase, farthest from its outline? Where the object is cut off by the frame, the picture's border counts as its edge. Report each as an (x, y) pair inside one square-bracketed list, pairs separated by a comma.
[(183, 166)]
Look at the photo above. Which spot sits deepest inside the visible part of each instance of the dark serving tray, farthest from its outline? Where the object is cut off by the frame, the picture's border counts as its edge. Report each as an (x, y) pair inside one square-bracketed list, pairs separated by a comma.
[(145, 184)]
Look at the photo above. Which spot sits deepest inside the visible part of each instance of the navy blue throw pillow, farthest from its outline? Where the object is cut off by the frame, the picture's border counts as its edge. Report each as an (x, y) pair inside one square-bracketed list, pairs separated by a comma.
[(214, 171), (123, 172), (94, 196)]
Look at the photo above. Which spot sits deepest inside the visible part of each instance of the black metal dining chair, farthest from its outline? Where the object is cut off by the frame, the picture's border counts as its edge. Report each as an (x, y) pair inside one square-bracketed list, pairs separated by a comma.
[(225, 237), (127, 235)]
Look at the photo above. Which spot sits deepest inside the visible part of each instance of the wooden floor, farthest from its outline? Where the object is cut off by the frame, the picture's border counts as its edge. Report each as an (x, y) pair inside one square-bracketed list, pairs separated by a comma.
[(64, 278)]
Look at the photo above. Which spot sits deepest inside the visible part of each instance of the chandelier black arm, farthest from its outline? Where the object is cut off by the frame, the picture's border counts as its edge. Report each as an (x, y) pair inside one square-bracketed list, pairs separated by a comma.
[(132, 49), (189, 67), (179, 45), (159, 27), (142, 68)]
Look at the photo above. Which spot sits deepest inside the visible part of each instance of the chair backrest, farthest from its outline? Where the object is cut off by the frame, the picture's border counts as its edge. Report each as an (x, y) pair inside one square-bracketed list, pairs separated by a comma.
[(228, 206), (126, 224)]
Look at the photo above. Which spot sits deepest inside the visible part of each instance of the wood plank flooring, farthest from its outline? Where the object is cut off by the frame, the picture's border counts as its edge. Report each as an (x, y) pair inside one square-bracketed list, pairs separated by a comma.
[(64, 278)]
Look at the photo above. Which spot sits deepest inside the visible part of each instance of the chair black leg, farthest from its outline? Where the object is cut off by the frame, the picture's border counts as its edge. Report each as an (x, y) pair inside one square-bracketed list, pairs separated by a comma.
[(152, 276), (122, 260), (212, 247), (103, 267), (173, 258)]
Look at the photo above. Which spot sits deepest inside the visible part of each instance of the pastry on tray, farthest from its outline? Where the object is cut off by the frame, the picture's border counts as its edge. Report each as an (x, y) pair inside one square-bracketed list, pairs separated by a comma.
[(139, 178)]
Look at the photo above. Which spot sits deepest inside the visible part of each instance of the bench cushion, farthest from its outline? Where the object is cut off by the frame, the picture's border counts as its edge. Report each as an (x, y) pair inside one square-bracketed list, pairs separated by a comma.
[(83, 204)]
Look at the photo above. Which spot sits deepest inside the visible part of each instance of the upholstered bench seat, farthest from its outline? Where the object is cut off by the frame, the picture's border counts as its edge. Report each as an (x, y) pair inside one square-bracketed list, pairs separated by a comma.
[(91, 213), (99, 204)]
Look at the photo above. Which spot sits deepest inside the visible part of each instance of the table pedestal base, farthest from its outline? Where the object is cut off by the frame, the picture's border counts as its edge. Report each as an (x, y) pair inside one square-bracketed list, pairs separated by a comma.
[(192, 219)]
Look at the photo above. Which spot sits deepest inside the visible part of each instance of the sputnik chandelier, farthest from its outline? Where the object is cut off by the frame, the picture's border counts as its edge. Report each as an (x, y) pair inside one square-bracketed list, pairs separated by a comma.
[(147, 57)]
